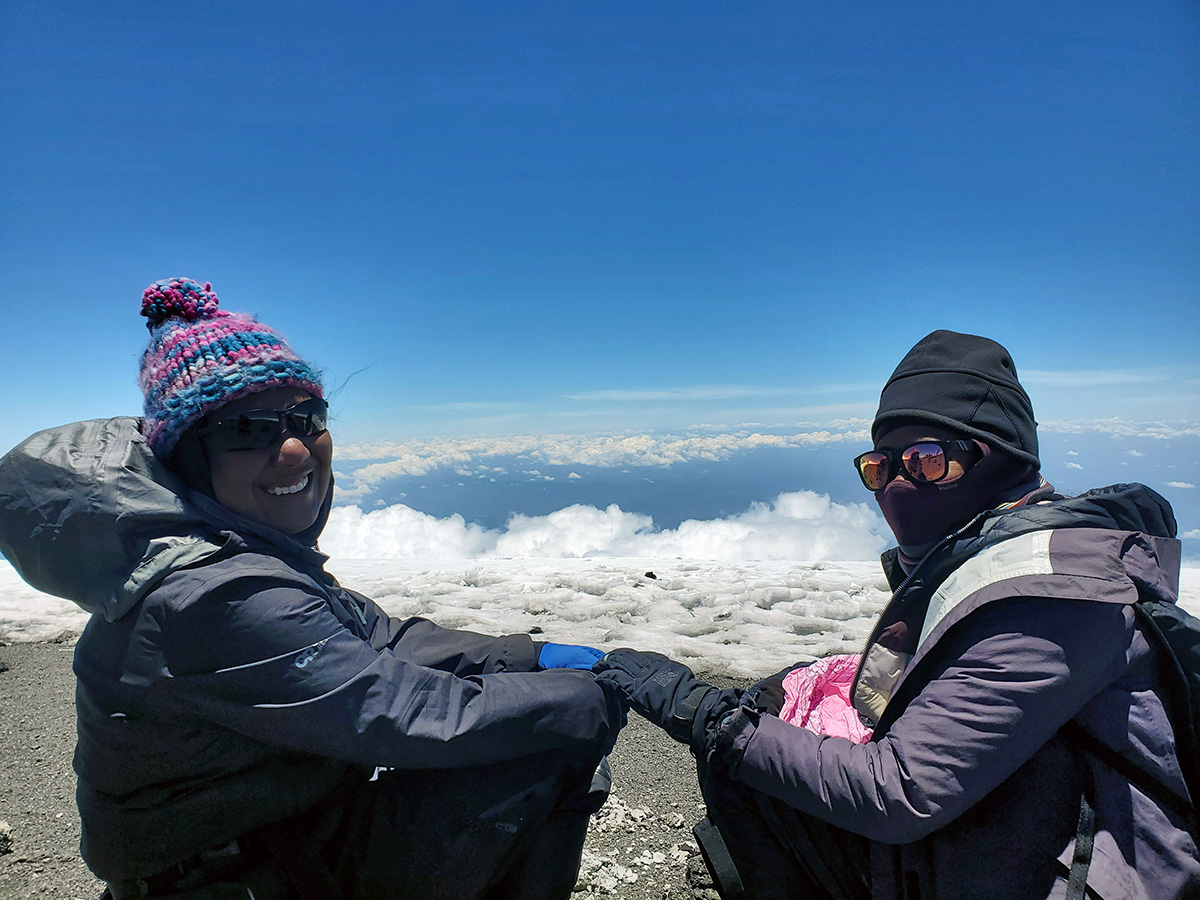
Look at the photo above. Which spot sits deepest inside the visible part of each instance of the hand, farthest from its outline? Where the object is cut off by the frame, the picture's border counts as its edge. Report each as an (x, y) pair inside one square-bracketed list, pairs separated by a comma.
[(768, 696), (567, 656), (662, 690)]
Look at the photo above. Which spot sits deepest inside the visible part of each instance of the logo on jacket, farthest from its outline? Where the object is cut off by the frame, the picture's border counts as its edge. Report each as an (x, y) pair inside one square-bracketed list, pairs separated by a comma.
[(307, 655)]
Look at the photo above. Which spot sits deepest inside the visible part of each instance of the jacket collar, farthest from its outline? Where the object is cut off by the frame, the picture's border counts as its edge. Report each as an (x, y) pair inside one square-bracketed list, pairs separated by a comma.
[(297, 548)]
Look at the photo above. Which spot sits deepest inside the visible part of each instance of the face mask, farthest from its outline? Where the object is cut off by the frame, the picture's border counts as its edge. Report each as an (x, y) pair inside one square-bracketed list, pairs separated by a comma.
[(920, 514)]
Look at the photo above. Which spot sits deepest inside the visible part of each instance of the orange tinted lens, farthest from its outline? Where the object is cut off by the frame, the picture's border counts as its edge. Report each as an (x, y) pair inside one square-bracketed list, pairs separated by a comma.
[(873, 467), (924, 462)]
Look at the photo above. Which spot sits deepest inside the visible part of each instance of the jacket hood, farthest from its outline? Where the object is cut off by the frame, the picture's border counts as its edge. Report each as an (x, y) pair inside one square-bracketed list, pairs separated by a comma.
[(1133, 508), (1125, 507), (90, 514)]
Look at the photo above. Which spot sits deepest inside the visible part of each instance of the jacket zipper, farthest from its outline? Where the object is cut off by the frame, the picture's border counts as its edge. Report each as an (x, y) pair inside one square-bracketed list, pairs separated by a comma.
[(899, 592)]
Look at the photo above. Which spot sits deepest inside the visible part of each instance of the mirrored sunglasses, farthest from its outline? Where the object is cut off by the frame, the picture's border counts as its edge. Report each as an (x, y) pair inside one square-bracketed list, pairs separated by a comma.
[(924, 462), (255, 429)]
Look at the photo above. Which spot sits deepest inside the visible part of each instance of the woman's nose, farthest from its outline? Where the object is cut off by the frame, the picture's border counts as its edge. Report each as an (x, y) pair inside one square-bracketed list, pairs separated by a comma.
[(292, 452)]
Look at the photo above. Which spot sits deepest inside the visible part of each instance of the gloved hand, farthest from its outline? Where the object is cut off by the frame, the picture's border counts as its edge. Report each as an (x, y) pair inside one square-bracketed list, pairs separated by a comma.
[(567, 656), (665, 692), (768, 696)]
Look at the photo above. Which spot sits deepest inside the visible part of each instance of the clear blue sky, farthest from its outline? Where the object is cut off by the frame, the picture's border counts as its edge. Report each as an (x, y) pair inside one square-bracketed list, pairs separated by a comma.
[(522, 218)]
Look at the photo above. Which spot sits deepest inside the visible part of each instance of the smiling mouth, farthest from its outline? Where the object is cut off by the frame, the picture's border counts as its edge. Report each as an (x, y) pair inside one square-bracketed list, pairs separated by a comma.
[(292, 489)]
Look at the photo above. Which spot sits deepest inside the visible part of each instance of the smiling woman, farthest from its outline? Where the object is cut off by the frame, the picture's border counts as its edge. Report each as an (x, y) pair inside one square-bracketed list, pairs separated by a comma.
[(279, 474), (234, 701)]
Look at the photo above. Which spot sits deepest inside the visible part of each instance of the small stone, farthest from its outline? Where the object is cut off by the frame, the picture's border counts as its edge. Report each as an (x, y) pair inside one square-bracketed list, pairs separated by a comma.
[(6, 838)]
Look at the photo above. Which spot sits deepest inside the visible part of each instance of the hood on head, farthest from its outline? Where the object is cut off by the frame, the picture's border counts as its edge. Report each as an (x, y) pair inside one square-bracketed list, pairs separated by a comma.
[(89, 514)]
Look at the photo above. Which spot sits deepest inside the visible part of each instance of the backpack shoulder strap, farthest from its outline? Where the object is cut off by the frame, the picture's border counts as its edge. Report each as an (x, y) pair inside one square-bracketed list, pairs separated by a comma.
[(1176, 637), (1176, 634)]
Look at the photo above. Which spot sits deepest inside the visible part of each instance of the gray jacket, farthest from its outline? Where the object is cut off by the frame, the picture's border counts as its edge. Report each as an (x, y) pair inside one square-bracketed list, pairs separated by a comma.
[(225, 680), (1016, 625)]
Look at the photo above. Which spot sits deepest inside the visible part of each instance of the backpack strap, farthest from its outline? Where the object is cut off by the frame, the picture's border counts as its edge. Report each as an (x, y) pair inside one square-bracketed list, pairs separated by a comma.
[(1085, 835), (719, 860), (1178, 701), (1146, 782), (1178, 686)]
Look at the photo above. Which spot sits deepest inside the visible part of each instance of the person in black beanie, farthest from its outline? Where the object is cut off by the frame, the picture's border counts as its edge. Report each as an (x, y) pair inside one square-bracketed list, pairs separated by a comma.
[(1004, 695)]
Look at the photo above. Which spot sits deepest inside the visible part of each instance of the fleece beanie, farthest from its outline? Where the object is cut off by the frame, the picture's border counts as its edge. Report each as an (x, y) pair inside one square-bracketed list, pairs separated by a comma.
[(963, 382)]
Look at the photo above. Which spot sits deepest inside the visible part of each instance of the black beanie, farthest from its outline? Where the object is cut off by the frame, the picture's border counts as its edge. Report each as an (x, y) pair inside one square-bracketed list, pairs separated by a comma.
[(964, 382)]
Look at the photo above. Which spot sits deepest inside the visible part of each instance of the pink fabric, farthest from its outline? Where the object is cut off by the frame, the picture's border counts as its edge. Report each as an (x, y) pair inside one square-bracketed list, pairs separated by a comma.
[(817, 697)]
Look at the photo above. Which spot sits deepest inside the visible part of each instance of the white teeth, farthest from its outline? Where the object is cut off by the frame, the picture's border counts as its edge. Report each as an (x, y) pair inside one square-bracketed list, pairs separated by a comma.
[(279, 492)]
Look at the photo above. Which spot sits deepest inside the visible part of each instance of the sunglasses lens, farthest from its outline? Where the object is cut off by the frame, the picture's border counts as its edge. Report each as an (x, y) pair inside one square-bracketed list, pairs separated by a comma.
[(249, 431), (309, 418), (924, 462), (258, 428), (318, 418), (873, 469)]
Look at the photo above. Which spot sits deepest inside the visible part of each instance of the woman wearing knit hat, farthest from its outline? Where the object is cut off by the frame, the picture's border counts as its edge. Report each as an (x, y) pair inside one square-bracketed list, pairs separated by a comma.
[(1010, 735), (247, 726)]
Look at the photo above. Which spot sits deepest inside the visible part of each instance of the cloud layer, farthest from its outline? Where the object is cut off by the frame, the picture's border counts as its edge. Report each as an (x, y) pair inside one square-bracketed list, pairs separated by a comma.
[(413, 458), (803, 526)]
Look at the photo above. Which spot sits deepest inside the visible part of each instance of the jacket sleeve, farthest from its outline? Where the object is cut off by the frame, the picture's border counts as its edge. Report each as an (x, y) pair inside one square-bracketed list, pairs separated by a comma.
[(450, 650), (261, 655), (1011, 674)]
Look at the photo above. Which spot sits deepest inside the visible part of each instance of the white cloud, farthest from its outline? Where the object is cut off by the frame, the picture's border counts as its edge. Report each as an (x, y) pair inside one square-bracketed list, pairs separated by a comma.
[(1072, 453), (799, 526), (1191, 535), (1073, 465), (1124, 428), (1134, 453), (387, 460), (1180, 484)]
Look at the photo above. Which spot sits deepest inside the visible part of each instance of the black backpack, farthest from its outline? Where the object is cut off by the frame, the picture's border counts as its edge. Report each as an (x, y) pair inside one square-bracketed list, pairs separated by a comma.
[(1177, 636)]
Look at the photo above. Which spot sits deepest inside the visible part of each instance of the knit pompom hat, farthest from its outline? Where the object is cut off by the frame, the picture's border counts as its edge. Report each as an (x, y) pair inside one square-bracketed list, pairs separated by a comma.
[(963, 382), (201, 357)]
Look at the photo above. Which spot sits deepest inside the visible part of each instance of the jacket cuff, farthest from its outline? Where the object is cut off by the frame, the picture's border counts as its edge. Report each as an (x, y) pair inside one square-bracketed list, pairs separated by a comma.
[(728, 743), (519, 653)]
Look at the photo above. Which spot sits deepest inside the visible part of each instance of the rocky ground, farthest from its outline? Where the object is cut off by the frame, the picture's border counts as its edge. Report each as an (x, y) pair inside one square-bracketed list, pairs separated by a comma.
[(639, 847), (39, 856)]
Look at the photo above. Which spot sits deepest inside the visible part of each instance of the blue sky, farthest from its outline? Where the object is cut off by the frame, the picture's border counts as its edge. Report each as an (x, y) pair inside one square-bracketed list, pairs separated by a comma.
[(496, 219)]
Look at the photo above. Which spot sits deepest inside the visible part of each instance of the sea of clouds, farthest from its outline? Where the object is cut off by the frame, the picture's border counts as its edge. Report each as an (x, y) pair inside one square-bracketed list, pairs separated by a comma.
[(791, 580), (717, 473), (738, 552), (798, 526)]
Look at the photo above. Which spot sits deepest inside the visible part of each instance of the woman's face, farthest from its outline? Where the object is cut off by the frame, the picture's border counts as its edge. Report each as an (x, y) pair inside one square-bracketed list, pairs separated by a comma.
[(283, 485)]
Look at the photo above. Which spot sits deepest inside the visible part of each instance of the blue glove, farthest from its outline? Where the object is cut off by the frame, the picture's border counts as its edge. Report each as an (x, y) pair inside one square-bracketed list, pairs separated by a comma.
[(567, 656)]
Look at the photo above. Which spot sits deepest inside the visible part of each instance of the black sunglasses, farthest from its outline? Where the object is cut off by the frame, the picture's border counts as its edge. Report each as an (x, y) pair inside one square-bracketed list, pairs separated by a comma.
[(923, 462), (255, 429)]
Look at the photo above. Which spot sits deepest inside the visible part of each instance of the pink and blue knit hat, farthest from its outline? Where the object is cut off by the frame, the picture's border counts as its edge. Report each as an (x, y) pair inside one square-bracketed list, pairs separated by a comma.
[(201, 357)]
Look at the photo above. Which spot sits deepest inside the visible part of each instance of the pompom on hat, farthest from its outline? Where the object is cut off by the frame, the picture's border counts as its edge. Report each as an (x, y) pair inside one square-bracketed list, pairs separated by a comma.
[(963, 382), (201, 357)]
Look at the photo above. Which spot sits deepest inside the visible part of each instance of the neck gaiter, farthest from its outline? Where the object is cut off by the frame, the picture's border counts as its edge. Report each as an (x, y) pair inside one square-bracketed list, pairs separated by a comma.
[(921, 514)]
